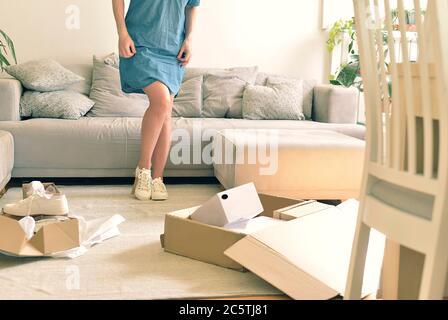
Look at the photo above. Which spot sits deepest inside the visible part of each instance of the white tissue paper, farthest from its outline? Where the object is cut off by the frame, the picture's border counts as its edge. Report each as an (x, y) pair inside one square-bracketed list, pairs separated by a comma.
[(28, 225), (92, 233), (253, 225)]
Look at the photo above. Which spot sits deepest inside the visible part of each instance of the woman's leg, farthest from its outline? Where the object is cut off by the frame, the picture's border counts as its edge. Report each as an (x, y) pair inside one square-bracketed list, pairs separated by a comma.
[(154, 122), (163, 146)]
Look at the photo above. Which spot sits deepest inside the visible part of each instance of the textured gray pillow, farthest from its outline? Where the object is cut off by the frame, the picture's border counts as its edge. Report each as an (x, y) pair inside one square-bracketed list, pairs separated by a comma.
[(223, 97), (110, 100), (248, 74), (308, 90), (188, 103), (276, 101), (43, 75), (57, 104)]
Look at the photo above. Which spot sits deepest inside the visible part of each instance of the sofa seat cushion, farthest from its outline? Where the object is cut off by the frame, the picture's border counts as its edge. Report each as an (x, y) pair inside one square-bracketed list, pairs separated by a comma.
[(114, 143)]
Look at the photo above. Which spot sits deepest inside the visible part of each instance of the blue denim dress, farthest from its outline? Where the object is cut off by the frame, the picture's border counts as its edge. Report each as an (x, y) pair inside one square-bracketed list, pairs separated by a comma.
[(158, 30)]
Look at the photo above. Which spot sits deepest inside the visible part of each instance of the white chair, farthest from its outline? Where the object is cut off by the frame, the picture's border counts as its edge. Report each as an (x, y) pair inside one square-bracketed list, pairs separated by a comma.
[(405, 184)]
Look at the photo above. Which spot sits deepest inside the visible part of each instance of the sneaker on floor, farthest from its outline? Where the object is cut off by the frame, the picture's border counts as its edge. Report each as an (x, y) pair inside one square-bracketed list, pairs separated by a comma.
[(159, 192), (37, 205), (142, 184)]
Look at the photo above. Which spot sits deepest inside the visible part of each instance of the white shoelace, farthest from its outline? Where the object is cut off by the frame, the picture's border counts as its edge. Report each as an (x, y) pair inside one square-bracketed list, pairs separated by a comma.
[(144, 180)]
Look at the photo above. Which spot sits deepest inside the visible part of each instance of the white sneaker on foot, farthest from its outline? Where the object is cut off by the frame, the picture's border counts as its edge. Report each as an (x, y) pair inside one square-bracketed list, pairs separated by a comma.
[(38, 204), (142, 184), (159, 192)]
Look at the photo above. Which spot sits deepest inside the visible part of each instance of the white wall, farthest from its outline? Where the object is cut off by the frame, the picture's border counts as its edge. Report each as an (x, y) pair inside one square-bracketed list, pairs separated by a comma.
[(283, 36)]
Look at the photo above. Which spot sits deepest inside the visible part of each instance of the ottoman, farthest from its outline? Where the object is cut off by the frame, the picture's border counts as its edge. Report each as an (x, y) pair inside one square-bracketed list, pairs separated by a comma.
[(6, 158), (300, 164)]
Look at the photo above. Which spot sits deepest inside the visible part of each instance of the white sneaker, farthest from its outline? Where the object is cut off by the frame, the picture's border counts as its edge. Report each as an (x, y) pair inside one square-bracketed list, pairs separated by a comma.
[(37, 205), (142, 184), (159, 192)]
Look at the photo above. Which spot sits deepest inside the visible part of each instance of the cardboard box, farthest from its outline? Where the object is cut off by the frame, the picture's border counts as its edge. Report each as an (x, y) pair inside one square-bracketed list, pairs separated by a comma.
[(50, 238), (26, 186), (207, 243), (308, 258)]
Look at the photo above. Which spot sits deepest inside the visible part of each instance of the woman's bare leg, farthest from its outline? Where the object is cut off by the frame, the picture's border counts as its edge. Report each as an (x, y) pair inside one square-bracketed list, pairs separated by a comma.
[(154, 121), (163, 146)]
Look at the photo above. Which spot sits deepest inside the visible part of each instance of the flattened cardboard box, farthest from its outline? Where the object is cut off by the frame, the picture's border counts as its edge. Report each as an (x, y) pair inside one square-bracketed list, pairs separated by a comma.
[(206, 243), (50, 238)]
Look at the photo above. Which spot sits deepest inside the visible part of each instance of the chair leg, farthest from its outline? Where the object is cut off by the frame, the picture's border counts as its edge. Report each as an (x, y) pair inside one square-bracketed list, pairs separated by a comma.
[(355, 277), (434, 275)]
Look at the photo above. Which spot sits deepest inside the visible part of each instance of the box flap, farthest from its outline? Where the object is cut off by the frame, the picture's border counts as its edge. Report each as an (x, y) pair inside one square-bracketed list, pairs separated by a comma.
[(57, 237), (272, 267), (12, 236), (318, 246)]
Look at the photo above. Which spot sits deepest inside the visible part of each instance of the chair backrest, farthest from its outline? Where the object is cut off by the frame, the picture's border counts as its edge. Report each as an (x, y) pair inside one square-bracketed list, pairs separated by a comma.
[(405, 74)]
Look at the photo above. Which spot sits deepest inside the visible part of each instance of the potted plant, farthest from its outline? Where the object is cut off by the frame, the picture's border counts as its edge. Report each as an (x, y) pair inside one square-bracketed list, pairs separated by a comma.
[(349, 73), (7, 51)]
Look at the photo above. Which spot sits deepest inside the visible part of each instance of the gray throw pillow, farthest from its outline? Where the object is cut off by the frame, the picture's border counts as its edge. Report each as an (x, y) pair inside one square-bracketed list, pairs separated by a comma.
[(57, 104), (223, 97), (308, 90), (110, 100), (275, 101), (188, 103), (248, 74), (43, 75)]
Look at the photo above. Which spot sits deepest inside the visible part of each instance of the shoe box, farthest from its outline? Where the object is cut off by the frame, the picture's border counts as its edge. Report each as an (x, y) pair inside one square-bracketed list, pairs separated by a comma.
[(52, 234)]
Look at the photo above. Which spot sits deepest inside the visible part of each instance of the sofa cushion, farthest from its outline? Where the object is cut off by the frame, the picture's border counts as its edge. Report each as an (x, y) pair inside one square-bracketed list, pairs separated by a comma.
[(56, 104), (188, 103), (110, 100), (223, 96), (85, 71), (44, 145), (278, 100), (43, 75), (308, 90), (248, 74)]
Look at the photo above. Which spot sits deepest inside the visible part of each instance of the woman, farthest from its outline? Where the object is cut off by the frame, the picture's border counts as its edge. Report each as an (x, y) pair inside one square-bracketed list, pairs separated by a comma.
[(155, 46)]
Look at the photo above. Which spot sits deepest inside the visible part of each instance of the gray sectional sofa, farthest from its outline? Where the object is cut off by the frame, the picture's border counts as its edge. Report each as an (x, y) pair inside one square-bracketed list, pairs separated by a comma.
[(109, 147)]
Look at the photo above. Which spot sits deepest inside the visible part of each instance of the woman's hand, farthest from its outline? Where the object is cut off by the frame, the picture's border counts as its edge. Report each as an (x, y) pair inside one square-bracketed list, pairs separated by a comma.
[(126, 46), (185, 53)]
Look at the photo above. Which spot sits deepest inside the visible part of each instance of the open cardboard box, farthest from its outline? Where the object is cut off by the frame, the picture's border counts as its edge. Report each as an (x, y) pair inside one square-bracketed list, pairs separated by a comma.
[(50, 238), (207, 243)]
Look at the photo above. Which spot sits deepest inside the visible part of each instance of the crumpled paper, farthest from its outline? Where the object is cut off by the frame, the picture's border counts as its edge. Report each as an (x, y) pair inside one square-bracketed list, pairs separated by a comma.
[(93, 232)]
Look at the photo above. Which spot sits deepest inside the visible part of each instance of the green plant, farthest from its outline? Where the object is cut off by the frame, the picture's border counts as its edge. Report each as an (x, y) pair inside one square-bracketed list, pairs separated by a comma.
[(7, 50), (348, 74), (337, 32)]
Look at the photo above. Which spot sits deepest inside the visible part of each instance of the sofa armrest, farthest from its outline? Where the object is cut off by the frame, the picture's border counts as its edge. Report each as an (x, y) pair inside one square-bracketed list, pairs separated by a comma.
[(10, 93), (334, 104)]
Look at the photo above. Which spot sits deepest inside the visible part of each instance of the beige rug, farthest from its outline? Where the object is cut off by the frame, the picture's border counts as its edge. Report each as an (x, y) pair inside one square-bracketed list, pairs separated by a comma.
[(131, 266)]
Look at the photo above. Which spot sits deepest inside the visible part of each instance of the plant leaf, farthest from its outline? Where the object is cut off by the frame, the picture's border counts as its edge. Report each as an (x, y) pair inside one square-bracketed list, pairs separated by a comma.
[(10, 44)]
